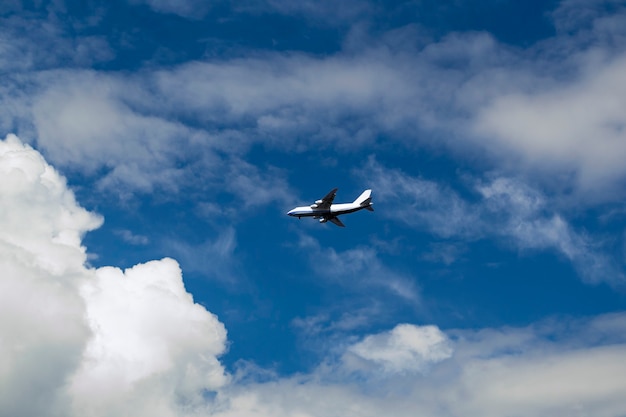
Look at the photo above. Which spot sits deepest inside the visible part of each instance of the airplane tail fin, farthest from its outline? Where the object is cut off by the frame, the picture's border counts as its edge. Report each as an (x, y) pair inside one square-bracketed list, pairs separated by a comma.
[(365, 200)]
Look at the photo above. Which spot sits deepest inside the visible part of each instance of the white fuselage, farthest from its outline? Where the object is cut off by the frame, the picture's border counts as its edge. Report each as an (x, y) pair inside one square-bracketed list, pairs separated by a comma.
[(334, 210)]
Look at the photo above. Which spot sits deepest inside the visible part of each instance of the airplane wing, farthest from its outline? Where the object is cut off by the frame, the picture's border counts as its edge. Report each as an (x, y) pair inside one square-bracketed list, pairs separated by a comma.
[(336, 221), (325, 202)]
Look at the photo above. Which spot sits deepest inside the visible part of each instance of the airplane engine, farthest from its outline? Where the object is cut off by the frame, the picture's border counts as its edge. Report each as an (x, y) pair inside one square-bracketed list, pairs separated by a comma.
[(323, 220), (313, 205), (319, 202)]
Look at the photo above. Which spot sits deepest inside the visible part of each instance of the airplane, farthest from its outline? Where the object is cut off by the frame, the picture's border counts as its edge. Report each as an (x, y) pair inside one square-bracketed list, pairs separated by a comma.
[(325, 210)]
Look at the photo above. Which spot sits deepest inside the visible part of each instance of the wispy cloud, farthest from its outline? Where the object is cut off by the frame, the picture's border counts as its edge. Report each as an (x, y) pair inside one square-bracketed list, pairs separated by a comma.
[(507, 210), (358, 267), (52, 40), (256, 188), (424, 204), (347, 320), (131, 237), (91, 129), (577, 126), (214, 258)]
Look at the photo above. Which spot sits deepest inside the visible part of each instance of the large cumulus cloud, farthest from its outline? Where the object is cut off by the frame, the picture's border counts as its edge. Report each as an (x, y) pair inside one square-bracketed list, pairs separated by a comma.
[(82, 341), (41, 262)]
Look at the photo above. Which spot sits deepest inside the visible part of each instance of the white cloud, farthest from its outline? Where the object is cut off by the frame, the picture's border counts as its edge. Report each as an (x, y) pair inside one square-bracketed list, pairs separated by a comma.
[(82, 341), (131, 237), (149, 340), (294, 101), (576, 127), (118, 128), (41, 216), (81, 121), (405, 348), (41, 259), (349, 319), (532, 225), (47, 42), (566, 367), (554, 384)]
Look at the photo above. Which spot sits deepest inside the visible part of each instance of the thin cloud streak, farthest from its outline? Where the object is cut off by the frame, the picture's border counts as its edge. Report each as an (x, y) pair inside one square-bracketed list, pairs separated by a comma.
[(359, 265)]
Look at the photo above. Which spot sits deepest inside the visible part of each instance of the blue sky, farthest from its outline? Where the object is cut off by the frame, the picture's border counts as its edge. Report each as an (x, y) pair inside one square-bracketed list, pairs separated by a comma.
[(159, 262)]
